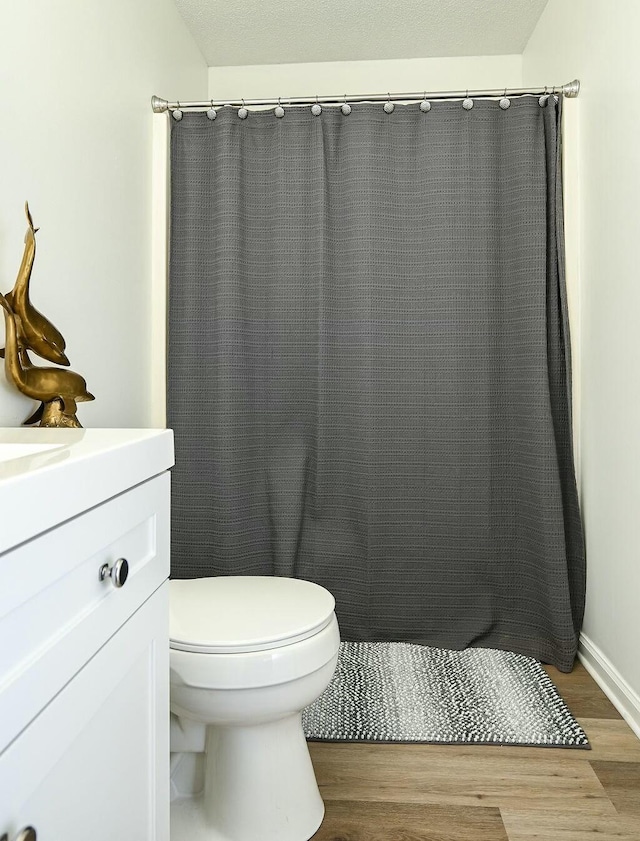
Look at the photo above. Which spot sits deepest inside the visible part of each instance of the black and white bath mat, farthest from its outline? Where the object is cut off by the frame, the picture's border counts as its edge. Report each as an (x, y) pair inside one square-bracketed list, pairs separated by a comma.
[(397, 692)]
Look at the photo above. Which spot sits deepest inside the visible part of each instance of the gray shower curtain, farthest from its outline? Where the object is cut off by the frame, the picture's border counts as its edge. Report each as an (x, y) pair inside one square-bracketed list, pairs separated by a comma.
[(369, 363)]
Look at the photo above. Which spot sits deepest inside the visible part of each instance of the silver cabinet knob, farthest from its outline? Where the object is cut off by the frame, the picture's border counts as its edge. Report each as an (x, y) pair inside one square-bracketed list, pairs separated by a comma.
[(118, 573)]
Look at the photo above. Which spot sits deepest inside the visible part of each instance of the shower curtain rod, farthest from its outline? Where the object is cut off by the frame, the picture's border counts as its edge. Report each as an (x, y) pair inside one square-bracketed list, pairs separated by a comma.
[(570, 90)]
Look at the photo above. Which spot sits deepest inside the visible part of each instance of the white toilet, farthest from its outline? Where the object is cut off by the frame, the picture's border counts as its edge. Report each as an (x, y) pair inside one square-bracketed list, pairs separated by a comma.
[(248, 653)]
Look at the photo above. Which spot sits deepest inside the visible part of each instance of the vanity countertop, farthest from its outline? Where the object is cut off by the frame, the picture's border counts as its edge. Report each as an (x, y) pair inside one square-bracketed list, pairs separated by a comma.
[(48, 476)]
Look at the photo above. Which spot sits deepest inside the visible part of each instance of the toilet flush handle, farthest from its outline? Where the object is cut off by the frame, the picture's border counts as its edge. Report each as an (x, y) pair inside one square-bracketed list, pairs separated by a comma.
[(118, 573)]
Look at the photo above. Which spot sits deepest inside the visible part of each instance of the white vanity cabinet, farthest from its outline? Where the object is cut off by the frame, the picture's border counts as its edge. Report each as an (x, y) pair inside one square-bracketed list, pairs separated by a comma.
[(84, 657)]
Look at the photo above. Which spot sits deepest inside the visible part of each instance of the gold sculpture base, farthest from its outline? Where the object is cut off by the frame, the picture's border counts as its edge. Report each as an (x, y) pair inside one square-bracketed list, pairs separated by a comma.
[(51, 414)]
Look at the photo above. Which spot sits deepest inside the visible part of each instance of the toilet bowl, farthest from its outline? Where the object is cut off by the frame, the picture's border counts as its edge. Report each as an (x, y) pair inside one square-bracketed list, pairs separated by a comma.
[(248, 653)]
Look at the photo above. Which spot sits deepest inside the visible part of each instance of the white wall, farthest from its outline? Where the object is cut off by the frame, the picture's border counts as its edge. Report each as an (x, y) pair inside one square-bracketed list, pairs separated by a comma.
[(598, 44), (331, 77), (76, 141)]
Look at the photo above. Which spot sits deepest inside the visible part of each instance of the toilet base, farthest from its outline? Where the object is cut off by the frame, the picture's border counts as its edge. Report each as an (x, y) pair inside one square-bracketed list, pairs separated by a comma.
[(259, 786)]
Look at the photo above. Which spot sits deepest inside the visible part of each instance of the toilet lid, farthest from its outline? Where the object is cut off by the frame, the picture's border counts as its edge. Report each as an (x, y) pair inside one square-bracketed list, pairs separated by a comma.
[(245, 613)]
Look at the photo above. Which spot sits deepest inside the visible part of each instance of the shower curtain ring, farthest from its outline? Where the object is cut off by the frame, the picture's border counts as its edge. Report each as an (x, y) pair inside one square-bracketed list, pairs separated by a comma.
[(505, 102), (243, 112), (467, 102), (542, 101), (177, 113), (316, 108), (211, 112), (345, 107), (388, 106), (279, 110), (425, 105)]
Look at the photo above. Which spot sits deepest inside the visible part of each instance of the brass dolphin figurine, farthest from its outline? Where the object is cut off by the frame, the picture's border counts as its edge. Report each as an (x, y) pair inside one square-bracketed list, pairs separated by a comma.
[(44, 384), (34, 330)]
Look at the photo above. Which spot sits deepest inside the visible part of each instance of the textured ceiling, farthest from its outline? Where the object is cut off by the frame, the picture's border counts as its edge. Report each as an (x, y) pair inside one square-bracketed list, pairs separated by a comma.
[(282, 31)]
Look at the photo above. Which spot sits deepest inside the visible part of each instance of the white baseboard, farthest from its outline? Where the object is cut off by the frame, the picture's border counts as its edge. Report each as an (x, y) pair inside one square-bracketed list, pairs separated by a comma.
[(609, 679)]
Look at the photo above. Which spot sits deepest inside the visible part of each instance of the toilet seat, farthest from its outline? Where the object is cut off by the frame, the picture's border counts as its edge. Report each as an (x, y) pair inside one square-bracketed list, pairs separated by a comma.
[(243, 614), (254, 669)]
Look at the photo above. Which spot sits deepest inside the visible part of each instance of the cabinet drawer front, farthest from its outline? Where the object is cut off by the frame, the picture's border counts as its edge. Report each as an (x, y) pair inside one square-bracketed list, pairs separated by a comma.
[(53, 619)]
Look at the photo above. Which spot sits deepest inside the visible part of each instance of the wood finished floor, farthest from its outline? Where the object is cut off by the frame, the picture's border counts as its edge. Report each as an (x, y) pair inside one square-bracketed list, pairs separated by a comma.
[(477, 793)]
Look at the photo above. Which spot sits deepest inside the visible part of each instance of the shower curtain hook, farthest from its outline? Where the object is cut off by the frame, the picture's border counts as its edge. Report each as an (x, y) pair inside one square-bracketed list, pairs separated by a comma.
[(425, 105), (467, 102), (345, 107), (388, 106), (279, 110), (211, 112), (542, 101), (316, 108), (243, 112), (505, 102), (177, 113)]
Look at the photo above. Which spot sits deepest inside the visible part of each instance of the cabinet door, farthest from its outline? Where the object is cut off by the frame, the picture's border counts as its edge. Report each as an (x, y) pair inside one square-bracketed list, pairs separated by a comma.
[(56, 613), (94, 763)]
